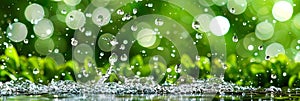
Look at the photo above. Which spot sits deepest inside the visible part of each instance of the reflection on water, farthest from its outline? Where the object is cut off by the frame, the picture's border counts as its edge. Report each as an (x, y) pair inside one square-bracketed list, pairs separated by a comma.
[(152, 97), (140, 89)]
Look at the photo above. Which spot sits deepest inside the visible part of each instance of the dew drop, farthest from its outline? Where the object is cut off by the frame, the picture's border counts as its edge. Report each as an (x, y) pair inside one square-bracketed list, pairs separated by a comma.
[(250, 47), (284, 74), (232, 10), (113, 58), (88, 33), (134, 28), (159, 22), (196, 25), (178, 68), (134, 11), (74, 42), (35, 71), (273, 76), (267, 58), (101, 54), (169, 70), (63, 11), (120, 12), (260, 48), (198, 36), (123, 57), (235, 38)]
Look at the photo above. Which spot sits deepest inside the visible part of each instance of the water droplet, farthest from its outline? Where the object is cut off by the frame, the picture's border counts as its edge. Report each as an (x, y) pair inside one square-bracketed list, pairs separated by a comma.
[(244, 23), (120, 12), (26, 41), (298, 41), (297, 47), (126, 17), (169, 70), (134, 28), (113, 58), (149, 5), (160, 48), (101, 54), (178, 68), (173, 55), (250, 47), (114, 42), (71, 18), (232, 10), (198, 57), (273, 76), (85, 73), (196, 25), (122, 47), (159, 22), (267, 58), (224, 66), (260, 48), (100, 19), (88, 15), (74, 42), (79, 75), (123, 57), (63, 74), (253, 18), (88, 33), (235, 38), (198, 36), (35, 71), (134, 11), (143, 51), (284, 74), (155, 58), (63, 11), (101, 16)]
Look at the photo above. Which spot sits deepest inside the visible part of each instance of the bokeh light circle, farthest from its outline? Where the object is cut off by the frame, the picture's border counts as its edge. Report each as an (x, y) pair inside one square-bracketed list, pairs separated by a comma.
[(82, 51), (219, 25), (105, 42), (282, 11), (44, 46), (264, 30), (44, 29), (101, 16), (274, 49), (17, 32), (72, 2), (203, 21), (34, 13), (75, 19), (237, 6), (146, 37)]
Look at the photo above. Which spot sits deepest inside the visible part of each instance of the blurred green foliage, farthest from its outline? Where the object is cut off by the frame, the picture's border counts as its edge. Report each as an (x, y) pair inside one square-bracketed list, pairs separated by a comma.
[(35, 69), (278, 71)]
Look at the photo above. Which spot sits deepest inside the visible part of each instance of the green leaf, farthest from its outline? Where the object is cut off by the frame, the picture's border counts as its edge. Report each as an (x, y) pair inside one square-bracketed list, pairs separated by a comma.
[(12, 54), (257, 68), (138, 59), (292, 80)]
